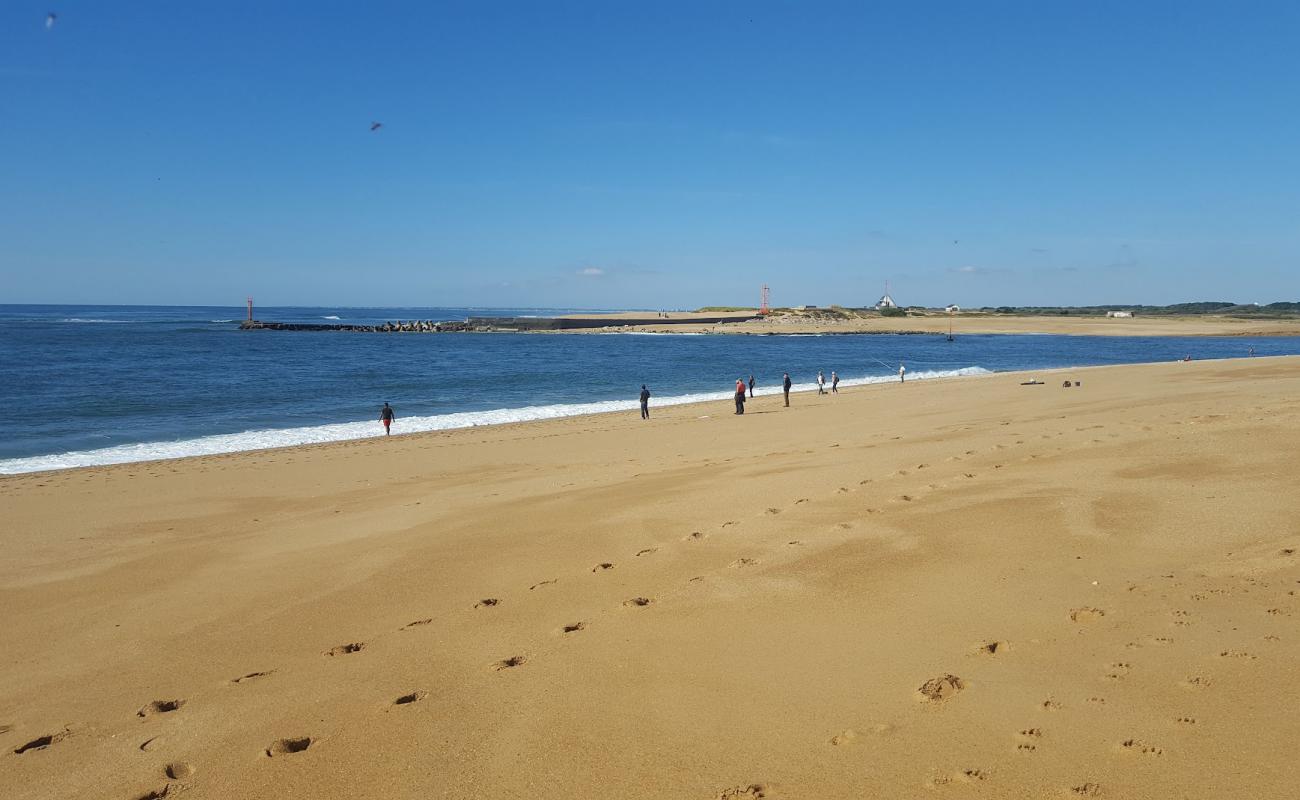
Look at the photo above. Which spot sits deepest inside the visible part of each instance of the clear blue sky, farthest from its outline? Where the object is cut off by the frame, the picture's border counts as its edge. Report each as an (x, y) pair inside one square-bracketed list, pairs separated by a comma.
[(649, 154)]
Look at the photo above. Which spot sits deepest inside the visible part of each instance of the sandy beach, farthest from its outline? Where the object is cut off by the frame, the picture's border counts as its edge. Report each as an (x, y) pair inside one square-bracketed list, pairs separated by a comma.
[(962, 324), (949, 588)]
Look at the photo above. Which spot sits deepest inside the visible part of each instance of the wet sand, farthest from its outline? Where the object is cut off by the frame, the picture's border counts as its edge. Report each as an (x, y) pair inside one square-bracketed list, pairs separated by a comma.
[(957, 588)]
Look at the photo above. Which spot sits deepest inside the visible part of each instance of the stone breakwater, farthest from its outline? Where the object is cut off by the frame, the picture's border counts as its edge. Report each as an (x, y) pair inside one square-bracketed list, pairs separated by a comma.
[(400, 326), (487, 324)]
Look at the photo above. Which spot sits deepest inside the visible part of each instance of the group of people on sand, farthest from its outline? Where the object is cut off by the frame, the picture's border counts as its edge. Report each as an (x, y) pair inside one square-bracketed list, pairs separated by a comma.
[(745, 389)]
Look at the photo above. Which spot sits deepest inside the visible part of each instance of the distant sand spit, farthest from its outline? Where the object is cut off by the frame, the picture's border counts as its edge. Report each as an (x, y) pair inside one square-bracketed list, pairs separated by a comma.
[(952, 588)]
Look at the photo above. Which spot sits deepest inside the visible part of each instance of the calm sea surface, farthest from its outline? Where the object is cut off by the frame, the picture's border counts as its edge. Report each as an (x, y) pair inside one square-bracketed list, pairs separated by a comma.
[(104, 384)]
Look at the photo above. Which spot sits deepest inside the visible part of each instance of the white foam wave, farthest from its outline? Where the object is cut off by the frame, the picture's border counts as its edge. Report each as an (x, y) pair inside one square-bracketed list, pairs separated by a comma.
[(332, 316), (345, 431), (221, 320), (98, 321)]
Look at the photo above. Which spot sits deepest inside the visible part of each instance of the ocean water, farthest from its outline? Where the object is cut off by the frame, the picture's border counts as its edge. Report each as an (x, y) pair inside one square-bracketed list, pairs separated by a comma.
[(85, 385)]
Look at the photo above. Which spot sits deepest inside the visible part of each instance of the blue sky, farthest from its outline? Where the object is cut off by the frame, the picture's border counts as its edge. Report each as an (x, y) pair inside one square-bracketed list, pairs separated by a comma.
[(620, 154)]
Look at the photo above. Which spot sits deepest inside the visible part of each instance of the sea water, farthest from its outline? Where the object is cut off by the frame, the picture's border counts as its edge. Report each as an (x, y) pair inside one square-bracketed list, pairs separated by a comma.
[(86, 385)]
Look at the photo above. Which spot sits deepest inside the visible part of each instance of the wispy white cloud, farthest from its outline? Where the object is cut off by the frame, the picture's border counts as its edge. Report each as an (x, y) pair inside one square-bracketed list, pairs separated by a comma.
[(591, 272)]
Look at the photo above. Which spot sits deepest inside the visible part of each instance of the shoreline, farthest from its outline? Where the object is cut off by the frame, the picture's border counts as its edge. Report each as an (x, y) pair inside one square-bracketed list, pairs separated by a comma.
[(1023, 591), (335, 434)]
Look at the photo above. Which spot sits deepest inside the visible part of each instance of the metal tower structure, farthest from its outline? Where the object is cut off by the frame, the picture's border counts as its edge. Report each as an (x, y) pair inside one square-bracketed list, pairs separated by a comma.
[(763, 308)]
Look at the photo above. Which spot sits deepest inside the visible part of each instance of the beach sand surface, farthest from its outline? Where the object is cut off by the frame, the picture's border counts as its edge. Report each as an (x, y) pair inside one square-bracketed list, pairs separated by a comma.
[(949, 588)]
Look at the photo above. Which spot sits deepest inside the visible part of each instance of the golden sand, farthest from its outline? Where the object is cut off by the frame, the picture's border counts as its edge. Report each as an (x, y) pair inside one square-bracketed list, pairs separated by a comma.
[(958, 588)]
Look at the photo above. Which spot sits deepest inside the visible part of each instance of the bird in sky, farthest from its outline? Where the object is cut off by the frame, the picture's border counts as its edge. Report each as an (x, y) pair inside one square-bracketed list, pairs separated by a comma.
[(374, 126), (49, 20)]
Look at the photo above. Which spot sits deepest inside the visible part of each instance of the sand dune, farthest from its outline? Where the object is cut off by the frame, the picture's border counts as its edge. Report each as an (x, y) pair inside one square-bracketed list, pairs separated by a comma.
[(963, 588)]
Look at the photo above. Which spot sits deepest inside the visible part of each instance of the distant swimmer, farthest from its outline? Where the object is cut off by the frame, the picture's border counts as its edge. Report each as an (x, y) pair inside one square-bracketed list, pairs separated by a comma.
[(751, 387), (785, 387), (821, 383), (740, 396), (387, 416), (645, 402), (902, 374), (835, 382)]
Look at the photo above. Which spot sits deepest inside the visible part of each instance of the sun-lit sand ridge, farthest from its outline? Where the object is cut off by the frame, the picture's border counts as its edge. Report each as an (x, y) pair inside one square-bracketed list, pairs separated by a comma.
[(964, 588)]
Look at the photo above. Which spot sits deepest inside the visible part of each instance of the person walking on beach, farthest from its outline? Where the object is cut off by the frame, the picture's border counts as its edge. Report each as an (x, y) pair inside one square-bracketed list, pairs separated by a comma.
[(821, 383), (751, 387), (835, 382), (902, 374), (387, 416), (740, 396), (645, 402), (785, 387)]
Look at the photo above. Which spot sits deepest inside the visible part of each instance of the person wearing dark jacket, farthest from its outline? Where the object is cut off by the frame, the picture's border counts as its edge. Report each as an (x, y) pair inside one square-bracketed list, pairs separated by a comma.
[(751, 387), (785, 387), (740, 396), (645, 402)]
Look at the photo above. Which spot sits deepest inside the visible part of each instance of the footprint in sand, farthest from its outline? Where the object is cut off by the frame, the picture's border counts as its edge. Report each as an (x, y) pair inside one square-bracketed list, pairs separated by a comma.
[(647, 551), (602, 566), (1027, 740), (1086, 614), (744, 562), (412, 697), (941, 688), (774, 511), (178, 770), (346, 649), (1140, 747), (992, 648), (753, 791), (847, 737), (1198, 682), (1050, 705), (1088, 789), (1237, 654), (1186, 720), (284, 747), (160, 707), (542, 583), (156, 794), (1118, 670), (801, 500), (417, 623), (574, 627), (638, 602), (487, 602), (41, 742), (509, 663), (149, 744)]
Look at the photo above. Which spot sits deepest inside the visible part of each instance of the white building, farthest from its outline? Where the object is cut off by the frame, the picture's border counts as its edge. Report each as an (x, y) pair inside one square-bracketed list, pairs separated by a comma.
[(886, 301), (952, 308), (1119, 313)]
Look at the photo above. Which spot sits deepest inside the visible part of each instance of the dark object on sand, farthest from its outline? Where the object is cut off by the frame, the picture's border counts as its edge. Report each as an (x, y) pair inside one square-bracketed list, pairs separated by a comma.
[(1034, 382)]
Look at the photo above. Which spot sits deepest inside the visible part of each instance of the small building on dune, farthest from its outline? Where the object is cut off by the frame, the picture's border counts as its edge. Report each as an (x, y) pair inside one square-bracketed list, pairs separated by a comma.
[(885, 301), (1119, 313)]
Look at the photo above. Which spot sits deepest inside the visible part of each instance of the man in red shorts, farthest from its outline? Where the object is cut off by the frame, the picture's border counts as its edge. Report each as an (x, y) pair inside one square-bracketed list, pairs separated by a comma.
[(386, 416)]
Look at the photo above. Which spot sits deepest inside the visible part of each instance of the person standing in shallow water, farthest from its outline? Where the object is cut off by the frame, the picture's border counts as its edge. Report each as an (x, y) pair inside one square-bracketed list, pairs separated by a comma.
[(751, 386), (387, 416), (740, 396), (821, 383), (645, 402), (902, 374), (835, 382), (785, 387)]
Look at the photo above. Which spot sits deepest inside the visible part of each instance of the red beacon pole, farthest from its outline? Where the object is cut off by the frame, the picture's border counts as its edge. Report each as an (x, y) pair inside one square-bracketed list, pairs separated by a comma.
[(763, 308)]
